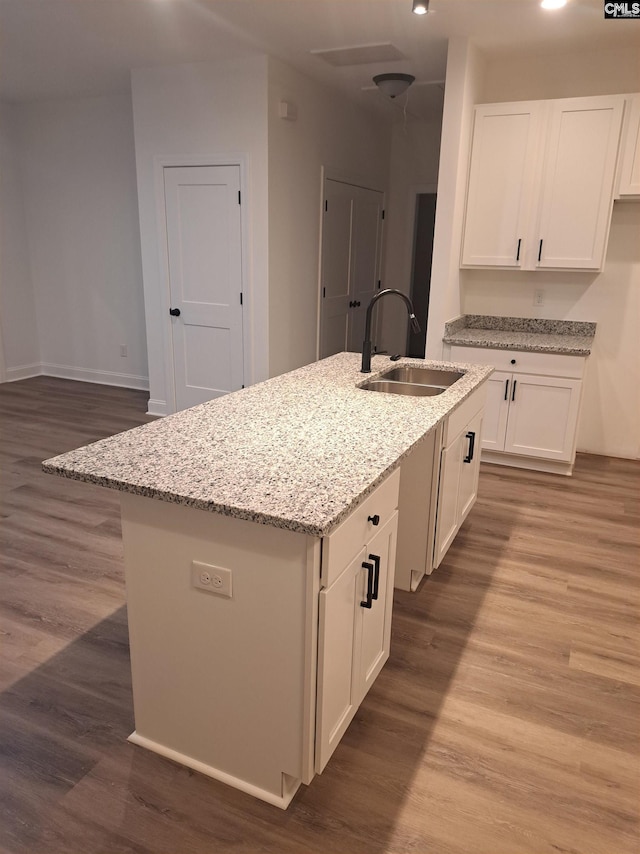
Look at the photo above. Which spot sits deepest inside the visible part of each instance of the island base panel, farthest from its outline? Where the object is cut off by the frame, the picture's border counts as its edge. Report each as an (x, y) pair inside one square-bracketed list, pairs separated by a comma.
[(224, 685), (289, 786)]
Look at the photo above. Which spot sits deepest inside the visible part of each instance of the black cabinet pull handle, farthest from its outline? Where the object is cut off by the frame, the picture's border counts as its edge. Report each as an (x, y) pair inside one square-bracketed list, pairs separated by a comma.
[(506, 389), (369, 568), (518, 252), (375, 520), (513, 395), (540, 250), (513, 361), (471, 436), (376, 574), (174, 312)]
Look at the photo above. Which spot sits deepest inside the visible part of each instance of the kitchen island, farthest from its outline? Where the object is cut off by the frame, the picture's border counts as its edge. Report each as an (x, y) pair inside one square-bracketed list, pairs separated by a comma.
[(260, 584)]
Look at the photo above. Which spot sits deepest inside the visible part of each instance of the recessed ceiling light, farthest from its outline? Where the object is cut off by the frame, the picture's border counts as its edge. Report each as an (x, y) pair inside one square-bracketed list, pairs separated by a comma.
[(420, 7), (553, 4)]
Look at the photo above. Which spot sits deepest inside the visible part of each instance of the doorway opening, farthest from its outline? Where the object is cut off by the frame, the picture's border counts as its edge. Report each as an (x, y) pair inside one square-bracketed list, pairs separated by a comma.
[(425, 217)]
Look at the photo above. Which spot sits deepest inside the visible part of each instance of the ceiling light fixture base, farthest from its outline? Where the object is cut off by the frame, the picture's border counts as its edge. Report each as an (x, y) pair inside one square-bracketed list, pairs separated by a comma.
[(393, 84)]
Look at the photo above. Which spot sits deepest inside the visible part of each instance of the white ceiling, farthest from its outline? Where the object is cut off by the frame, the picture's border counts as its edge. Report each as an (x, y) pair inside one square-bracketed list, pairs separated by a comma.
[(60, 48)]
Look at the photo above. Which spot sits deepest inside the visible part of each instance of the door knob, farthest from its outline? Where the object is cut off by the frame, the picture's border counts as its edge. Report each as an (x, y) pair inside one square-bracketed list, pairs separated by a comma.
[(174, 312)]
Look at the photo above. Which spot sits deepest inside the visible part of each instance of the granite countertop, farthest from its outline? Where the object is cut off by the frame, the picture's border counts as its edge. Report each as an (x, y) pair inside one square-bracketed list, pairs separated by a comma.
[(569, 337), (299, 451)]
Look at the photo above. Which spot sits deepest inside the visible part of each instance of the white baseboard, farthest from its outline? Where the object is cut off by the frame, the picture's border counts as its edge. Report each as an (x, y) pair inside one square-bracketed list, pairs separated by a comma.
[(157, 407), (89, 375), (23, 372), (531, 463)]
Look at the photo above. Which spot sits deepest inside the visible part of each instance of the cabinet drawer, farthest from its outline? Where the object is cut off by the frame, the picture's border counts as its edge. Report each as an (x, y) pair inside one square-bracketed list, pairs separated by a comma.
[(356, 530), (461, 416), (521, 361)]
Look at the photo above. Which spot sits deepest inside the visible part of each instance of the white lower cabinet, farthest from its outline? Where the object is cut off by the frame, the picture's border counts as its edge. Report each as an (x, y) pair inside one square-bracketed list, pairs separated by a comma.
[(458, 489), (354, 636), (532, 410), (438, 488), (543, 415), (256, 688)]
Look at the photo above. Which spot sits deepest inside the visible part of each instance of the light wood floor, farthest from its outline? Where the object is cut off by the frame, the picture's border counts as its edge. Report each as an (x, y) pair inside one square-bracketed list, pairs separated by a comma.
[(506, 721)]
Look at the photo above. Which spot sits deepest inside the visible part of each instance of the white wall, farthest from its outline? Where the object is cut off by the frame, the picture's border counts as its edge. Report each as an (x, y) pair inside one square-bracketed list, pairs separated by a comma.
[(329, 132), (465, 71), (202, 110), (19, 334), (415, 152), (610, 417), (78, 170), (523, 77)]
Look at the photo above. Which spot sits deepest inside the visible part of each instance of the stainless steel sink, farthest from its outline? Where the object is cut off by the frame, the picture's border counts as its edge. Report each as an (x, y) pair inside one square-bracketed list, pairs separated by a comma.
[(413, 381), (422, 376), (410, 389)]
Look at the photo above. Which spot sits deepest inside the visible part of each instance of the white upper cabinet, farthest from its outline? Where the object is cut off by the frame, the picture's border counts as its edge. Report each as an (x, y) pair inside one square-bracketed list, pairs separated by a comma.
[(577, 182), (506, 140), (629, 180), (541, 183)]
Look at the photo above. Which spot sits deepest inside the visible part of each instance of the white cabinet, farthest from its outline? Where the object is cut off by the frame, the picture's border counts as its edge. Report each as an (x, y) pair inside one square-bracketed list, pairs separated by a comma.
[(543, 416), (257, 688), (354, 635), (458, 488), (629, 179), (438, 488), (506, 140), (541, 183), (532, 409)]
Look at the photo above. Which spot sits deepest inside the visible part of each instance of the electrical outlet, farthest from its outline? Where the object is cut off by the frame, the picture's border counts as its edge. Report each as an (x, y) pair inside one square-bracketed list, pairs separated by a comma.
[(538, 296), (123, 351), (212, 579)]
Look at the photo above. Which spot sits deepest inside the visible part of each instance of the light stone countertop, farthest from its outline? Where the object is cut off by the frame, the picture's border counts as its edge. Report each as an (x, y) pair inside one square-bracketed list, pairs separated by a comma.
[(299, 451), (535, 335)]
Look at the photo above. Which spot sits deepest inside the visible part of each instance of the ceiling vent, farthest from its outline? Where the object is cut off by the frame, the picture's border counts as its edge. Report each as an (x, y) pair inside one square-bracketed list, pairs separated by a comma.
[(366, 54)]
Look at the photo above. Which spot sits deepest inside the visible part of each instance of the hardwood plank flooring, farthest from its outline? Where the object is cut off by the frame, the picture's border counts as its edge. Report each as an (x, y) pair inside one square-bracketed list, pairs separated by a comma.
[(506, 721)]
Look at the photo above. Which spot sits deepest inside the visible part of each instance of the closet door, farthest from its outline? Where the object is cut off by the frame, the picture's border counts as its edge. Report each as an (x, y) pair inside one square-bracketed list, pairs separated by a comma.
[(350, 263), (336, 272)]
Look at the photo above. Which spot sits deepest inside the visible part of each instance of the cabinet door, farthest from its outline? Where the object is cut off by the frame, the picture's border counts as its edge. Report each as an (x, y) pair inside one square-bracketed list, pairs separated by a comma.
[(577, 183), (469, 468), (376, 621), (339, 643), (543, 414), (447, 512), (496, 409), (501, 176), (630, 167)]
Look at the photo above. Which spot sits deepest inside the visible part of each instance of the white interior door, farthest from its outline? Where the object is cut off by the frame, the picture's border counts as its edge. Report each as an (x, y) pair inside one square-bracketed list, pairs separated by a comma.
[(366, 249), (337, 229), (202, 205), (351, 252)]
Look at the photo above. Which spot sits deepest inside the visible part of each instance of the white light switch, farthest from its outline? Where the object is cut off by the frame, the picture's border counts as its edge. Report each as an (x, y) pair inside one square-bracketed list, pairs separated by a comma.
[(212, 579)]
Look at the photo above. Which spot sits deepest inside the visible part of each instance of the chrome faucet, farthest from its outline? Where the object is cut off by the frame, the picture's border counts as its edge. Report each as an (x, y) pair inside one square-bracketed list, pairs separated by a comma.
[(366, 345)]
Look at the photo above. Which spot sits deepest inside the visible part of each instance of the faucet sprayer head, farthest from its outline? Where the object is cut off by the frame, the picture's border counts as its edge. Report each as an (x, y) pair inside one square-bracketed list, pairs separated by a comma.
[(414, 323)]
